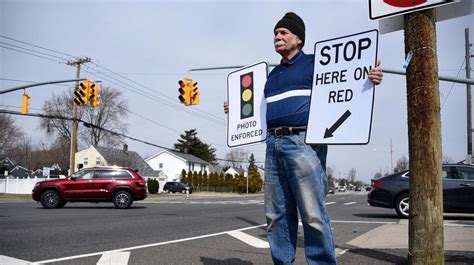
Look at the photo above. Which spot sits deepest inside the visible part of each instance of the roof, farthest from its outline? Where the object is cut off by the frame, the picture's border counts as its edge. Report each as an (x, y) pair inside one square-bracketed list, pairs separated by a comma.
[(7, 164), (20, 172), (122, 158), (38, 173), (186, 157)]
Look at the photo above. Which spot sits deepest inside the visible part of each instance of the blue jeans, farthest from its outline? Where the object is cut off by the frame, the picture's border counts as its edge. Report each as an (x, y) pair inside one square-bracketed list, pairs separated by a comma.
[(295, 180)]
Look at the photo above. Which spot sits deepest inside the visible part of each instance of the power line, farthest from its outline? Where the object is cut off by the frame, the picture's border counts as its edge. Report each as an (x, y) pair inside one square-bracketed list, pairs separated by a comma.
[(62, 58), (162, 94), (148, 95), (30, 54), (453, 83), (23, 42)]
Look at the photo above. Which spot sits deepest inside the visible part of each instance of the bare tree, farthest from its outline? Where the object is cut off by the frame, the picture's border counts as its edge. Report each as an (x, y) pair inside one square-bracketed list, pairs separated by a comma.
[(109, 115), (236, 157), (351, 175), (10, 134), (401, 165)]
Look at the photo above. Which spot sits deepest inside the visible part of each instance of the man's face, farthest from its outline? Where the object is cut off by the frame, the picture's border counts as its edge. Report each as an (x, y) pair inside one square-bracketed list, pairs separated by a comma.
[(285, 41)]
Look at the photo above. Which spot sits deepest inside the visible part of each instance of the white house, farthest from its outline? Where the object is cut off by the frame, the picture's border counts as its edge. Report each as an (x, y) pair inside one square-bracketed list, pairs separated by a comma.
[(173, 162)]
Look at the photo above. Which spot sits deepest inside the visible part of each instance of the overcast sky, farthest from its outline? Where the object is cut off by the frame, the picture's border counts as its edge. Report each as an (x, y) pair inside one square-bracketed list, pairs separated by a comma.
[(154, 43)]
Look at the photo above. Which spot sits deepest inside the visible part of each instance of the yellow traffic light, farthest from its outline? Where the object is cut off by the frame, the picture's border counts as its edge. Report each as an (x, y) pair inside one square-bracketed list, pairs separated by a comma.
[(94, 95), (82, 93), (184, 93), (25, 104), (189, 92), (194, 92)]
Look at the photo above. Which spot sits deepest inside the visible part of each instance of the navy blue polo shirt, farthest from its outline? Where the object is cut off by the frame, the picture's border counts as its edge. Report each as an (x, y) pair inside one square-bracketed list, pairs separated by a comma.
[(288, 92)]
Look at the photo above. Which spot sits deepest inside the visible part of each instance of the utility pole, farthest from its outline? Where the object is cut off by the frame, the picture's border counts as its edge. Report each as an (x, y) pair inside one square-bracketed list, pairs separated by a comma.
[(72, 156), (468, 97), (426, 234), (391, 156)]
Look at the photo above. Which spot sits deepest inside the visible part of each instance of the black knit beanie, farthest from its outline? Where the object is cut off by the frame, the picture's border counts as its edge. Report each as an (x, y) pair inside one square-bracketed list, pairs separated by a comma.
[(293, 23)]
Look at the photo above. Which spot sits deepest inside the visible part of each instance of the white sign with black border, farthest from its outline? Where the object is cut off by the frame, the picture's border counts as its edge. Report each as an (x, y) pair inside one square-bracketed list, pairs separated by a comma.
[(342, 97), (246, 119)]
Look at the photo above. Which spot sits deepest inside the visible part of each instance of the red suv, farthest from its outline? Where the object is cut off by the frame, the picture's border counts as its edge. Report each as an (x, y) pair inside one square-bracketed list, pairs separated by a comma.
[(119, 185)]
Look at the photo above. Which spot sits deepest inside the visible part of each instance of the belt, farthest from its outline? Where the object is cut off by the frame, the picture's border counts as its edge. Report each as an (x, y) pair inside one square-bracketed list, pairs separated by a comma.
[(286, 131)]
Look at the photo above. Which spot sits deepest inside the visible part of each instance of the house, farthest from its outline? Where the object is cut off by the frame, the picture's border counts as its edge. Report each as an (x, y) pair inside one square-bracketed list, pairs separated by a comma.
[(173, 162), (6, 165), (235, 171), (37, 174), (105, 156), (20, 172)]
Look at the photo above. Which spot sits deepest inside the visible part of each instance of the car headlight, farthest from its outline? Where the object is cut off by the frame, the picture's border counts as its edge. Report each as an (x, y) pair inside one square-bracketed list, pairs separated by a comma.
[(37, 184)]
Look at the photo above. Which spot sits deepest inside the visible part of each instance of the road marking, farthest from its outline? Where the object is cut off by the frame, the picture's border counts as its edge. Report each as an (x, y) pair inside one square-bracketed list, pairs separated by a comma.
[(146, 246), (329, 203), (250, 240), (340, 252), (117, 258), (5, 260), (349, 203), (362, 222)]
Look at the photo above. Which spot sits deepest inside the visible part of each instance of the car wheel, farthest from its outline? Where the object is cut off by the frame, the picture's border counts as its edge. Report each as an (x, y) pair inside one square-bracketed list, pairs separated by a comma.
[(61, 204), (50, 199), (122, 199), (402, 206)]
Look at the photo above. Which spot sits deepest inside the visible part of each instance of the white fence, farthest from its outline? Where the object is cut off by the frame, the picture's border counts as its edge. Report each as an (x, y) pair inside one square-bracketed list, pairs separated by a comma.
[(18, 186)]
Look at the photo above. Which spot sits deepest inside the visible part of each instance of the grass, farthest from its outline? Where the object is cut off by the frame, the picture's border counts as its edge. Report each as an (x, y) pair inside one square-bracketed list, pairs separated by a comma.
[(15, 196)]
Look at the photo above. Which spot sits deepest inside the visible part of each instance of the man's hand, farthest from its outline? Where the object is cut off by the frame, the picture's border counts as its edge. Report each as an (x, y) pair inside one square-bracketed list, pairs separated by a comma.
[(226, 106), (375, 74)]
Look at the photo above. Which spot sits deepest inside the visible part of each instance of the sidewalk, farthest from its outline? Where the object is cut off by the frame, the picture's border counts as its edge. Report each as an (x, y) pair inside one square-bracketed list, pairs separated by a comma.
[(388, 244)]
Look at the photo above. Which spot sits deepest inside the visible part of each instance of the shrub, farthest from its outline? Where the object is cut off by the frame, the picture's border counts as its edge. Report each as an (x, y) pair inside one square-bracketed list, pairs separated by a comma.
[(153, 185)]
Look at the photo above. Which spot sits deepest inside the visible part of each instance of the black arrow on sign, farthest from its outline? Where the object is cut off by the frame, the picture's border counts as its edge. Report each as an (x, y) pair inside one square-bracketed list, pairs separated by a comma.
[(336, 125)]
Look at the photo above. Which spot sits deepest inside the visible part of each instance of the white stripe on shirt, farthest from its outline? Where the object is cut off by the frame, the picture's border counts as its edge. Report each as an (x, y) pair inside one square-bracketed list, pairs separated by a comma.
[(287, 94)]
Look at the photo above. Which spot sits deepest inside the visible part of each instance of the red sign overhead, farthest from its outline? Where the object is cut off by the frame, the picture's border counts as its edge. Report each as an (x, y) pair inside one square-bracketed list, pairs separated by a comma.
[(386, 8), (404, 3)]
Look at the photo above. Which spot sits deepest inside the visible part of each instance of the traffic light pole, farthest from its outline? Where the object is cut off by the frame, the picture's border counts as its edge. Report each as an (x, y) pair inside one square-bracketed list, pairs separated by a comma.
[(72, 156), (426, 231)]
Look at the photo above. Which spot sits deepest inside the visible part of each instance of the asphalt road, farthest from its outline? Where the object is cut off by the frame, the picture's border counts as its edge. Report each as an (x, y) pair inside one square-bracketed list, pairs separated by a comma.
[(167, 231)]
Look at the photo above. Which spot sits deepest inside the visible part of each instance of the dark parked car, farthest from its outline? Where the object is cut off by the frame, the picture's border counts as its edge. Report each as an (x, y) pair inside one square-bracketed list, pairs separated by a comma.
[(331, 191), (458, 190), (100, 184), (174, 186), (358, 188)]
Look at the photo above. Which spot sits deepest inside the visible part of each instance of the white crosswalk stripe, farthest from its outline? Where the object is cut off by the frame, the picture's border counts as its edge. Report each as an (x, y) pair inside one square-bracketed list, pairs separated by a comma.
[(114, 258), (5, 260)]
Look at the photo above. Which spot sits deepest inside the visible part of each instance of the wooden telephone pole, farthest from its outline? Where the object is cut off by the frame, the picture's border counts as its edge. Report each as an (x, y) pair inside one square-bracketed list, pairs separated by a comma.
[(426, 234), (72, 156)]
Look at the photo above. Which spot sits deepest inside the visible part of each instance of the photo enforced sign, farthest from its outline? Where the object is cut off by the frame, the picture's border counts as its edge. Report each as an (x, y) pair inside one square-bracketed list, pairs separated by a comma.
[(342, 97), (246, 120)]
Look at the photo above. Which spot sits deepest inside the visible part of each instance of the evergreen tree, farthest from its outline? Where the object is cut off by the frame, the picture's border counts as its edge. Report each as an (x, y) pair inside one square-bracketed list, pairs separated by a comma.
[(191, 144), (183, 176)]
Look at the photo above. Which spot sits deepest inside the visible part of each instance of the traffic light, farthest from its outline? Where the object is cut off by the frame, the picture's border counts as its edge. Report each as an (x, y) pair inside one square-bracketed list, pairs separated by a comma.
[(194, 90), (94, 95), (25, 104), (185, 96), (82, 93), (246, 95)]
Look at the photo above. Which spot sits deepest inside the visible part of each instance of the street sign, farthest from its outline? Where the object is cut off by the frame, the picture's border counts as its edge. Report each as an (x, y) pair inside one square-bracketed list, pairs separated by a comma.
[(443, 12), (246, 120), (386, 8), (342, 97)]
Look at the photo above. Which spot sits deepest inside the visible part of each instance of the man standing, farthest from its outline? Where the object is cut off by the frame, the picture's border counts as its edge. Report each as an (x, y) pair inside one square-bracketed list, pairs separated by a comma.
[(295, 172)]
